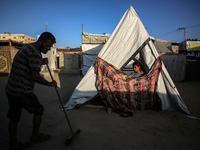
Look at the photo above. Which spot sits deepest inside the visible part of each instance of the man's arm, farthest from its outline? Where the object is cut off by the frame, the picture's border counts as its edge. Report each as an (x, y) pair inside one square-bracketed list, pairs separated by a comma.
[(45, 61), (39, 79)]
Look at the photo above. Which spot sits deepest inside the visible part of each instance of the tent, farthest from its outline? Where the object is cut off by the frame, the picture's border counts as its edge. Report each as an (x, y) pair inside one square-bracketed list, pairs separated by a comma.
[(129, 41), (91, 46)]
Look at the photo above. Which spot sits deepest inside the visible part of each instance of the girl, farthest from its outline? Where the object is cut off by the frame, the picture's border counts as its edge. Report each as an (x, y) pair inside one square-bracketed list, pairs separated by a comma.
[(137, 69)]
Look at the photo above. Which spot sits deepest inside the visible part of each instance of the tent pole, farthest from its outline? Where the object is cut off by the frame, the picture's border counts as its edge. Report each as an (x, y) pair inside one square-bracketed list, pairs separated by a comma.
[(152, 51), (138, 50)]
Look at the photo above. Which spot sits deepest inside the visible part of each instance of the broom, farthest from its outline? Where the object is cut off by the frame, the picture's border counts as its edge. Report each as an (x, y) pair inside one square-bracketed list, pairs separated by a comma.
[(73, 134)]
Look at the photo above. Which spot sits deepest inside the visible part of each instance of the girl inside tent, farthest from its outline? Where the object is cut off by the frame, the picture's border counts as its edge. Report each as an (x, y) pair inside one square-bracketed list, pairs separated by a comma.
[(137, 69)]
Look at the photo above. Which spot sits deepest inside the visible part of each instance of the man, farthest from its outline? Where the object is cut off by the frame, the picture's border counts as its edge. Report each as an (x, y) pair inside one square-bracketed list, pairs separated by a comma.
[(19, 89)]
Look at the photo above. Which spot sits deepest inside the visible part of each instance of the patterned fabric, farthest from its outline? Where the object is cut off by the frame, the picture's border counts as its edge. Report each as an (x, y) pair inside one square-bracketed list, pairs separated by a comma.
[(123, 92), (20, 81)]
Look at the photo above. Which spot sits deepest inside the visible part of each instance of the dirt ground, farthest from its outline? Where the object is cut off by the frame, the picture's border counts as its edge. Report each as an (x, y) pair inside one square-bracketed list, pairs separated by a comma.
[(101, 130)]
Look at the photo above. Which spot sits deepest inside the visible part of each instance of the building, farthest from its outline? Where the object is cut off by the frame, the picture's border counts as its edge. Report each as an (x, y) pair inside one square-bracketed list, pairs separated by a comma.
[(8, 49), (10, 43), (69, 50), (165, 46), (192, 51), (69, 58), (175, 62), (175, 47), (21, 38)]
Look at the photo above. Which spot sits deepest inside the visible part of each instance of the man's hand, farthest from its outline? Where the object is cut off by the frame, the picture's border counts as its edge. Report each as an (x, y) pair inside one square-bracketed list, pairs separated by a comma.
[(53, 83), (45, 61), (39, 79)]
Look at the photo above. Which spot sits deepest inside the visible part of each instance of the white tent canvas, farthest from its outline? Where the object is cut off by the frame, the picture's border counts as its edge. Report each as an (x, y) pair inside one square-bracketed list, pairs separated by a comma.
[(129, 40), (91, 46)]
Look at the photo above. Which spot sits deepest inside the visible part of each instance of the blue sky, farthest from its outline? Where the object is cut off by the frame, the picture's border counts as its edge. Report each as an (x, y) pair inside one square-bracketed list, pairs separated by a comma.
[(65, 18)]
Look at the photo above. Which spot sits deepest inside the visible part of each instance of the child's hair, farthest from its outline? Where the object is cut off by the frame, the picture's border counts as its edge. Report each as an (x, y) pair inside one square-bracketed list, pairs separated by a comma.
[(137, 63)]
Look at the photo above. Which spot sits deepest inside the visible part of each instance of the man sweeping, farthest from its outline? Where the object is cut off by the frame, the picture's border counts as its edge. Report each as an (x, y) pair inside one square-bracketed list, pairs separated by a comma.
[(19, 89)]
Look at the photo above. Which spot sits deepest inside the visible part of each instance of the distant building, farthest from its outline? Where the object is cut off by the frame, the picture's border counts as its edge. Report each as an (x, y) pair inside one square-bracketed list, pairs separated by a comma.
[(165, 46), (8, 49), (21, 38), (69, 58), (192, 51), (175, 47), (174, 62), (69, 50)]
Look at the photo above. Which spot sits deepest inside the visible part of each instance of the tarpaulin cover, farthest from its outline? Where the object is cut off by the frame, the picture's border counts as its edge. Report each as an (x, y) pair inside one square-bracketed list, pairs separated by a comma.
[(94, 38)]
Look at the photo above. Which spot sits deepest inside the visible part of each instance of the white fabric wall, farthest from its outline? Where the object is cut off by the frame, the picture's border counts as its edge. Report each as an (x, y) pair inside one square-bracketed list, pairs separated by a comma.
[(90, 52)]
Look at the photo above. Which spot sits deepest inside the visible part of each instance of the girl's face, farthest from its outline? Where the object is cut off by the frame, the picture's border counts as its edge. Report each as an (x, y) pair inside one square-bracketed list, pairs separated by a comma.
[(136, 69)]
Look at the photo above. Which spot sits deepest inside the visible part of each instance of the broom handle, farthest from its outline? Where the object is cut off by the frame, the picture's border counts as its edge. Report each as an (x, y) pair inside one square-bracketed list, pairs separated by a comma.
[(60, 101)]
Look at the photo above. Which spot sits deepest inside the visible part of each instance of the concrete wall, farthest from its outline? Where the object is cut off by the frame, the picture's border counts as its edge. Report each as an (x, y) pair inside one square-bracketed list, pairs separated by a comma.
[(176, 66), (71, 61), (60, 60)]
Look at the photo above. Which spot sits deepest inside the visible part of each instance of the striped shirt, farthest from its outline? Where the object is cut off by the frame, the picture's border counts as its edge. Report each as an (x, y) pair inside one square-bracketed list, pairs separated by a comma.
[(20, 81)]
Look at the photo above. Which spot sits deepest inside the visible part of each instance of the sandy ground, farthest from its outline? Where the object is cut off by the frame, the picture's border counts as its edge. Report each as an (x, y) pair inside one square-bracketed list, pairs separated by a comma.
[(100, 130)]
